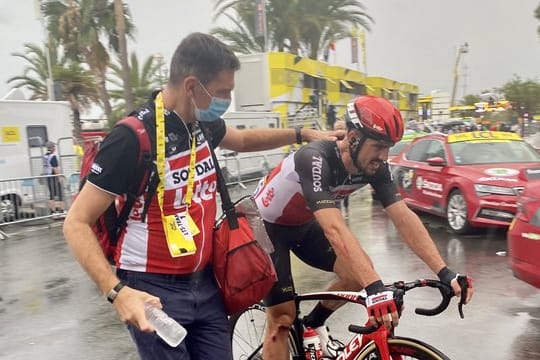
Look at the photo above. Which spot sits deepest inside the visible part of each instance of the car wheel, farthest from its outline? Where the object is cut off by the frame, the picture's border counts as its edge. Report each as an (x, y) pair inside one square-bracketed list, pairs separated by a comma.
[(456, 213), (9, 207)]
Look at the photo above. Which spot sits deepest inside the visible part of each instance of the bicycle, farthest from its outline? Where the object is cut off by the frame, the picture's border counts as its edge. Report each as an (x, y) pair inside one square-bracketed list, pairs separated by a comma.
[(369, 342)]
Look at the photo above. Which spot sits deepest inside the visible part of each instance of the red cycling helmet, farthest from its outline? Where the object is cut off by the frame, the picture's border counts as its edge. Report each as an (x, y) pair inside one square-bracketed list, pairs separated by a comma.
[(376, 118)]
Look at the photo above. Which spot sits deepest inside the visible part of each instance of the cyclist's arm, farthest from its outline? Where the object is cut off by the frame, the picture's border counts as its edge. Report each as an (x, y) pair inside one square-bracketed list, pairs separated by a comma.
[(266, 138), (415, 234)]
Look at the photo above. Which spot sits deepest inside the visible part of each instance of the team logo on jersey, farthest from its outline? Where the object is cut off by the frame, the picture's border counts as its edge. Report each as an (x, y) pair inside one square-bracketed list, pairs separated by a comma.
[(268, 196), (316, 171), (201, 169)]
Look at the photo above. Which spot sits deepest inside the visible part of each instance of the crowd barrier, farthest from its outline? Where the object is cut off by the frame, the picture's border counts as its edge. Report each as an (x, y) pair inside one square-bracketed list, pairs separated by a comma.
[(27, 199)]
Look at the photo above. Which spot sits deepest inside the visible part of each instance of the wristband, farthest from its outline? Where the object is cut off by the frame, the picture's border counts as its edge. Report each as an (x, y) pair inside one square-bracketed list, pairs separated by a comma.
[(111, 296), (446, 275), (298, 132), (375, 287)]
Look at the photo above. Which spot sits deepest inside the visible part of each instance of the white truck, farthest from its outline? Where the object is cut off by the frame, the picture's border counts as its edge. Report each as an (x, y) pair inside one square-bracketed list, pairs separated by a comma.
[(25, 126), (238, 167)]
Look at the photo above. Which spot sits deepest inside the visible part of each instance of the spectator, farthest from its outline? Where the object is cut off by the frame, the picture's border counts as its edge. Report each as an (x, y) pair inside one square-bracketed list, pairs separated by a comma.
[(51, 168), (150, 267)]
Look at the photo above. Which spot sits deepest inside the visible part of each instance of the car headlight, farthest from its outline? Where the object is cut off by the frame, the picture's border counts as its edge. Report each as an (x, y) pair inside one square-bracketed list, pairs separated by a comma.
[(483, 190)]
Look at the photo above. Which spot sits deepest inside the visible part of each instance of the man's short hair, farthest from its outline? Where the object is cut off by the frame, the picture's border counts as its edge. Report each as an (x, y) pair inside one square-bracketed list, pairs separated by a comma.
[(49, 145), (203, 56)]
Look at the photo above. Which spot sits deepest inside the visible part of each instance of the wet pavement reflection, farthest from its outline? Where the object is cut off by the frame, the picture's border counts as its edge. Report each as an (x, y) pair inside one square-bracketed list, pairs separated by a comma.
[(49, 309)]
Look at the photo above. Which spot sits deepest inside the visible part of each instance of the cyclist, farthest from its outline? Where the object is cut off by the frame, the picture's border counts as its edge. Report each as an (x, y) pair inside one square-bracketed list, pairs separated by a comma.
[(297, 200)]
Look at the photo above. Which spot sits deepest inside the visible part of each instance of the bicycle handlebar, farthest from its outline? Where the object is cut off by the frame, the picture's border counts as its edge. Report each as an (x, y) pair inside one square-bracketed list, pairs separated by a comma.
[(446, 291)]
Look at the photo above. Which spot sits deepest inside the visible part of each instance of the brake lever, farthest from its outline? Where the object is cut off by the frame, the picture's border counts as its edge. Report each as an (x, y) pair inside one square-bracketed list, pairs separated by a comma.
[(464, 285)]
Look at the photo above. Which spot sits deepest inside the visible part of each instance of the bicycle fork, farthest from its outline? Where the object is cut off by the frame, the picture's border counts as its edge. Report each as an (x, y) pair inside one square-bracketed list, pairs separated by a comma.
[(360, 341)]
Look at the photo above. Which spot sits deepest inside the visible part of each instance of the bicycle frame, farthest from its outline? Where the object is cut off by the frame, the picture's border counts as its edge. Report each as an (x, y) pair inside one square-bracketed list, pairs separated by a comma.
[(355, 345), (378, 335)]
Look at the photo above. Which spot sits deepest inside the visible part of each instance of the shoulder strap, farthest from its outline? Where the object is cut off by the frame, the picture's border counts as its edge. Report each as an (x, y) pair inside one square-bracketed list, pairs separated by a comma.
[(145, 147), (226, 204), (145, 173)]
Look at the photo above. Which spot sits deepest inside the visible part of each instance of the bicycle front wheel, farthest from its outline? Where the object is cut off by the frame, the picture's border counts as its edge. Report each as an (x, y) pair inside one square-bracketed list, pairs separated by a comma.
[(247, 334), (403, 349)]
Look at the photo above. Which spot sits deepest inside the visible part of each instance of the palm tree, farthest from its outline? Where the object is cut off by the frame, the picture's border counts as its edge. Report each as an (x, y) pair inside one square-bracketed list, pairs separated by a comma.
[(79, 25), (120, 11), (299, 26), (74, 83), (537, 16), (143, 80), (34, 77)]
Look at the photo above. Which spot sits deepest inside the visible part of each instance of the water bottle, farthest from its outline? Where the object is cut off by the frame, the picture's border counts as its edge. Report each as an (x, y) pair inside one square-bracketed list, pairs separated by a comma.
[(166, 327), (312, 344)]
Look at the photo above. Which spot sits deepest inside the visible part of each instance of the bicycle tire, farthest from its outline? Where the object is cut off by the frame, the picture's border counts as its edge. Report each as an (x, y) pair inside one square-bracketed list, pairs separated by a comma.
[(247, 334), (402, 348)]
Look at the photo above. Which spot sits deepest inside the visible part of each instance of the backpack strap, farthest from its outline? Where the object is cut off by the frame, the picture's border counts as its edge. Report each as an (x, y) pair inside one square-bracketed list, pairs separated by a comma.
[(145, 173)]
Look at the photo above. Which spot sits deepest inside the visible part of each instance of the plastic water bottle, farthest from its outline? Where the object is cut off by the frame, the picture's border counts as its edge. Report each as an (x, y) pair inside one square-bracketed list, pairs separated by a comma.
[(312, 344), (166, 327)]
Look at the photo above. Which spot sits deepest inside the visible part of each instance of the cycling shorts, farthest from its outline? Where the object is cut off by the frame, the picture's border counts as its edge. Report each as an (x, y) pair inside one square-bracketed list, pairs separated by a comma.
[(308, 243)]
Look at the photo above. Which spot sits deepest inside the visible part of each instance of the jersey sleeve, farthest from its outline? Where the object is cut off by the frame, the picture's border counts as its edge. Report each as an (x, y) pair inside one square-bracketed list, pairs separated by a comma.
[(384, 186), (115, 162), (215, 130), (315, 176)]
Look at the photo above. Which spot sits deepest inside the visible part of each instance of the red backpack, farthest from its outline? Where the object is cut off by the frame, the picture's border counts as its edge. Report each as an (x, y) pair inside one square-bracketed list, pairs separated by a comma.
[(109, 225)]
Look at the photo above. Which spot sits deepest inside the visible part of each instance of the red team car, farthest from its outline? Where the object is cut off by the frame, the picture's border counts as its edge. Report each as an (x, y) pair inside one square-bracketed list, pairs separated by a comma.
[(472, 179), (524, 235)]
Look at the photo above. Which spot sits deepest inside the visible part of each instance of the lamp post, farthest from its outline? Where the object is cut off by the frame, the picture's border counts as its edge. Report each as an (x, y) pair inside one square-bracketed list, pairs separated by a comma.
[(50, 82), (463, 49)]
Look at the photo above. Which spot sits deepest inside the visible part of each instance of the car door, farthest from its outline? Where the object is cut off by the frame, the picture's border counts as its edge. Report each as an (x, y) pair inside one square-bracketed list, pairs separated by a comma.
[(430, 176), (406, 172)]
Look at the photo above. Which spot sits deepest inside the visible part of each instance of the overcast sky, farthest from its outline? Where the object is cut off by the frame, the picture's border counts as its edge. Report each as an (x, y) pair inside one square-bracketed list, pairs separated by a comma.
[(412, 41)]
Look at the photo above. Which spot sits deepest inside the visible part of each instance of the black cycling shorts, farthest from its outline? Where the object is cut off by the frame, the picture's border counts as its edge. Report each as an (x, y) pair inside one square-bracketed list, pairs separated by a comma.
[(308, 243)]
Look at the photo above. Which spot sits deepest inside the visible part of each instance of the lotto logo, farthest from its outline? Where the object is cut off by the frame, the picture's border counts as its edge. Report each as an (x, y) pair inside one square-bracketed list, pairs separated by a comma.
[(267, 199)]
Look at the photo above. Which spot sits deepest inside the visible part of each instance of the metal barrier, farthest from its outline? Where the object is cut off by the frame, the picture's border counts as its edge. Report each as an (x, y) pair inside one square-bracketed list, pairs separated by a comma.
[(29, 198), (246, 167)]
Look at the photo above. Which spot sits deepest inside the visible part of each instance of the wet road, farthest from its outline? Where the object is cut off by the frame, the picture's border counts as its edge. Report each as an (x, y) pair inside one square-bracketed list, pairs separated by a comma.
[(49, 309)]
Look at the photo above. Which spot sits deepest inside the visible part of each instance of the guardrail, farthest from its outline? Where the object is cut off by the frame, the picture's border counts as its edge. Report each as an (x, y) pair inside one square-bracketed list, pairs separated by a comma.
[(29, 198), (240, 168), (34, 198)]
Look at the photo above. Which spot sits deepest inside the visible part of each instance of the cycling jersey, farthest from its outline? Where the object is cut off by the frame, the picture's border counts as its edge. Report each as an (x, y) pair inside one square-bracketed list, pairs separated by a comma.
[(142, 245), (314, 178)]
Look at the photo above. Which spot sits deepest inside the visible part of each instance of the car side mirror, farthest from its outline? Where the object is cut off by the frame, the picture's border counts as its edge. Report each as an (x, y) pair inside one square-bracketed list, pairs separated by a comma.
[(436, 161)]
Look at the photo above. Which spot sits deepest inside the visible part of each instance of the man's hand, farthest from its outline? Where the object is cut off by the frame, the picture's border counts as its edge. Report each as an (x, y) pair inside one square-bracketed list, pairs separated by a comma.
[(449, 277), (382, 305), (129, 305), (310, 135)]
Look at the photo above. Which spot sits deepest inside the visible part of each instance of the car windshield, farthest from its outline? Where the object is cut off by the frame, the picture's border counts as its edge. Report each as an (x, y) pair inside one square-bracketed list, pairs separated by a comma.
[(478, 152), (394, 150)]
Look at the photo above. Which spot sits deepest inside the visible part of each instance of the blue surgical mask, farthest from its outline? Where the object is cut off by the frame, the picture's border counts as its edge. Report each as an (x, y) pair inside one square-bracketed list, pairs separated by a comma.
[(215, 110)]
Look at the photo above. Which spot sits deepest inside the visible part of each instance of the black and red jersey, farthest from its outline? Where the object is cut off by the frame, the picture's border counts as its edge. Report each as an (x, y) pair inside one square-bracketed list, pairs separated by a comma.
[(314, 178), (142, 245)]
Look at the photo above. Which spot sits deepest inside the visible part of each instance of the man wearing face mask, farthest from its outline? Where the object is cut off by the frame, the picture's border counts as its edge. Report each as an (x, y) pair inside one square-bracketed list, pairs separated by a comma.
[(149, 267)]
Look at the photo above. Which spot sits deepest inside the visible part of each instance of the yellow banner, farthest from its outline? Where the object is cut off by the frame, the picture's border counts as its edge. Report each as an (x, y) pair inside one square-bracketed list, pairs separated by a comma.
[(483, 136)]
